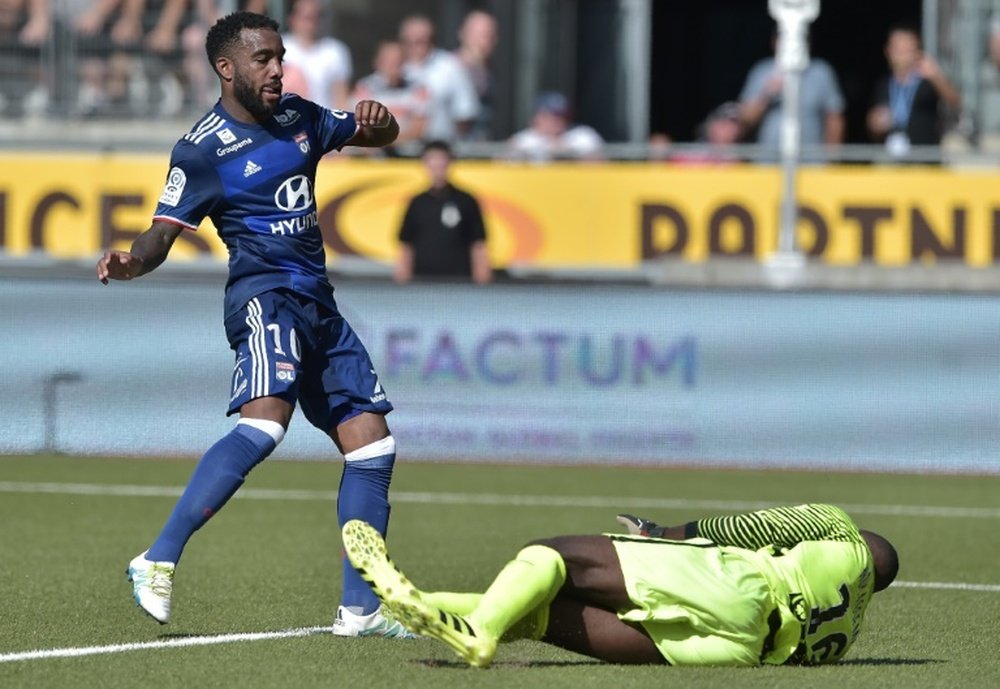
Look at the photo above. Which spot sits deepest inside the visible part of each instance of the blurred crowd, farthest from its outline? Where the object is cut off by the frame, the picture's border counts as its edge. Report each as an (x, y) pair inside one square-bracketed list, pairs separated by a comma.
[(115, 58), (912, 105)]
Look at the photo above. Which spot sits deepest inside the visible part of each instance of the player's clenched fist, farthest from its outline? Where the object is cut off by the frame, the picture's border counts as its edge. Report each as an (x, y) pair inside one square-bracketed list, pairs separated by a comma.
[(118, 265), (370, 113)]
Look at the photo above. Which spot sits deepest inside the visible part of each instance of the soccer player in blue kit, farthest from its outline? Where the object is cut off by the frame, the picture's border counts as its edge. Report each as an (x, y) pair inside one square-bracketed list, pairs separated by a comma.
[(250, 166)]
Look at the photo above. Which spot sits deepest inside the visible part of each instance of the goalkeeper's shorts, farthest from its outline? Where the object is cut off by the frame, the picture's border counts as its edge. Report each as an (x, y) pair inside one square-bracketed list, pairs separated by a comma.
[(700, 604)]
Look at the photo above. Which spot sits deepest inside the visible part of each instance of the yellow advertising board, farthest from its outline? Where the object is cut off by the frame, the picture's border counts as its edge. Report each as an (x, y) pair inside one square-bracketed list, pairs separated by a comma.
[(602, 215)]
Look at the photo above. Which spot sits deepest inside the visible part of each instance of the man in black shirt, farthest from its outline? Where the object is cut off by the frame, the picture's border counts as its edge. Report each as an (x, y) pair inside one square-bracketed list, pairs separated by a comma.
[(442, 234), (907, 102)]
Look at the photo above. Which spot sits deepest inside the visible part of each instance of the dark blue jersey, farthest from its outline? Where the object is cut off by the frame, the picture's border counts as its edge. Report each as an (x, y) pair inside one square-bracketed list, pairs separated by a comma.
[(256, 183)]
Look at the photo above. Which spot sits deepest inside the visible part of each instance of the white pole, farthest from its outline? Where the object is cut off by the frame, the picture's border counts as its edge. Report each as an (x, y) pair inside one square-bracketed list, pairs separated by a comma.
[(635, 35), (793, 17), (791, 145), (929, 30)]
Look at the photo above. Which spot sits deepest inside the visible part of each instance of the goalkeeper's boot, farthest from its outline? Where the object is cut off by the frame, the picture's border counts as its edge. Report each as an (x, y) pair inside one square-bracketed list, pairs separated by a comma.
[(379, 623), (366, 551), (152, 583)]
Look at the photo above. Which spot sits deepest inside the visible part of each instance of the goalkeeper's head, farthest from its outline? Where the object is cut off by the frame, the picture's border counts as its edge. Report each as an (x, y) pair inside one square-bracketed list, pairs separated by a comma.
[(885, 560)]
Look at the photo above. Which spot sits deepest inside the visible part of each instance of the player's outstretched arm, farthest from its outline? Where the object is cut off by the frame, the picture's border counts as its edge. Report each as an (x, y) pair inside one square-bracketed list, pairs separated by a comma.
[(780, 526), (148, 251), (376, 125)]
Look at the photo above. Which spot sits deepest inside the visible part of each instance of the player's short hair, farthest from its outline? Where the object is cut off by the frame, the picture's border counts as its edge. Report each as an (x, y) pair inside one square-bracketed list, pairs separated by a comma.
[(226, 32), (437, 145)]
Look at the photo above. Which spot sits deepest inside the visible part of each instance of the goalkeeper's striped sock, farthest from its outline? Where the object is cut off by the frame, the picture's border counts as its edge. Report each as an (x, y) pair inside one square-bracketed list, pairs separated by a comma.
[(527, 583)]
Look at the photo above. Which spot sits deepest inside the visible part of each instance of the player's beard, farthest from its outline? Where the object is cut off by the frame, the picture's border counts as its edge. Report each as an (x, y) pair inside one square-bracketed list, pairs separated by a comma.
[(250, 99)]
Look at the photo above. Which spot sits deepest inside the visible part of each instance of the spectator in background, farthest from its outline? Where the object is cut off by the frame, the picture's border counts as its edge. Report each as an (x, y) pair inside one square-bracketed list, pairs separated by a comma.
[(110, 33), (323, 62), (387, 85), (442, 233), (151, 49), (659, 147), (452, 103), (201, 80), (25, 26), (552, 135), (477, 40), (989, 90), (158, 86), (821, 108), (164, 37), (906, 107), (722, 129), (28, 19)]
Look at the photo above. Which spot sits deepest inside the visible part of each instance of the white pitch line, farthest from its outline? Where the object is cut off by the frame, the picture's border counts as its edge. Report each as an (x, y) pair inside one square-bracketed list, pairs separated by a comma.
[(103, 489), (43, 654), (947, 586), (79, 651), (495, 499)]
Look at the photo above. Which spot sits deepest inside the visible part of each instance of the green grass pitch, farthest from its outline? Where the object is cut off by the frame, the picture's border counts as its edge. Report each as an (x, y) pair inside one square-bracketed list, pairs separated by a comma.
[(270, 562)]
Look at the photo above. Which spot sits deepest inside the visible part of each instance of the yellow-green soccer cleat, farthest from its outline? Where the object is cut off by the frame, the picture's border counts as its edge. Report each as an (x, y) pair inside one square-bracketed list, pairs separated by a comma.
[(367, 552)]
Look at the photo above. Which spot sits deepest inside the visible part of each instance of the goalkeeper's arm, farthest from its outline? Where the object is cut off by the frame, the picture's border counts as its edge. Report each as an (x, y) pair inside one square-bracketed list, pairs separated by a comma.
[(784, 527)]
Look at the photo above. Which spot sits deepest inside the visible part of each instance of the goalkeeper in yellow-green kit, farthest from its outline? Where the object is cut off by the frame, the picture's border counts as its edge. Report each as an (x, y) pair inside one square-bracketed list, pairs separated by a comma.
[(787, 585)]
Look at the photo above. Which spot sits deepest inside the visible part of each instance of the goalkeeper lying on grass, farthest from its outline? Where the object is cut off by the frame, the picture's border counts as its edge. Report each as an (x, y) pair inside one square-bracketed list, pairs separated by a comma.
[(782, 585)]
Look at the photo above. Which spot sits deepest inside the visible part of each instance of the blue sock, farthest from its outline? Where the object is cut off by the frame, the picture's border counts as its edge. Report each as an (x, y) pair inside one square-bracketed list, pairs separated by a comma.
[(364, 494), (216, 478)]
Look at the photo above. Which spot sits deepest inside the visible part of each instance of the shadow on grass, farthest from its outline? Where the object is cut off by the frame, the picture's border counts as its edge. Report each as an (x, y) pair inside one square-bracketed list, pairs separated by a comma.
[(891, 661), (519, 664), (501, 664)]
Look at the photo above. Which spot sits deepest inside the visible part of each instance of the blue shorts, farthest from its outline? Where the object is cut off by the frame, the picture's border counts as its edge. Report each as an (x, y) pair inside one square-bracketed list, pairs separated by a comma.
[(291, 347)]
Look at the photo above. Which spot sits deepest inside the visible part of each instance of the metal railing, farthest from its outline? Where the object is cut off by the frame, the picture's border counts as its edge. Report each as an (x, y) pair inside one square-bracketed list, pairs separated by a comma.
[(71, 91), (143, 136)]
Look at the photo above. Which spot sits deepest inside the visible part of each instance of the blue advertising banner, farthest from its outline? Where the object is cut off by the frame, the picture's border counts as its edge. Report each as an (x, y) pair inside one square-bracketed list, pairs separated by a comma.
[(528, 373)]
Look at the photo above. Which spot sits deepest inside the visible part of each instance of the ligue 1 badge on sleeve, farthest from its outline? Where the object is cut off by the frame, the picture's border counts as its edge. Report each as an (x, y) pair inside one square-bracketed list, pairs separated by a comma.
[(302, 139), (176, 181)]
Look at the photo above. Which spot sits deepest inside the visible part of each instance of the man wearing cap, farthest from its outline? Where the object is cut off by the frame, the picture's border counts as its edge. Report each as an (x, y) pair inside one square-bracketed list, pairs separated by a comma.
[(553, 136)]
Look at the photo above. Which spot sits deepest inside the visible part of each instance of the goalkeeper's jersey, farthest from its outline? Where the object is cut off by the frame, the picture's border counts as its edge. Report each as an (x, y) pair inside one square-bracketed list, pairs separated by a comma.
[(820, 569)]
